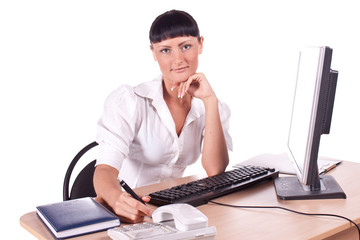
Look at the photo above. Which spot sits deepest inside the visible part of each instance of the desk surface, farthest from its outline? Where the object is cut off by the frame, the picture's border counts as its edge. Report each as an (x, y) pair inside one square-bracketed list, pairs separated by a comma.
[(232, 223)]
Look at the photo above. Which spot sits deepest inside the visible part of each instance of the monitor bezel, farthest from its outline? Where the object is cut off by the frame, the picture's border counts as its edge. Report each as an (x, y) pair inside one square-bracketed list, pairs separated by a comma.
[(309, 174)]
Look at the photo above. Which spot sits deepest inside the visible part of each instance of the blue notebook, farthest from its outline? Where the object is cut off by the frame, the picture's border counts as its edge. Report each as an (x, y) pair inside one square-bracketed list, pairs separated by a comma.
[(76, 217)]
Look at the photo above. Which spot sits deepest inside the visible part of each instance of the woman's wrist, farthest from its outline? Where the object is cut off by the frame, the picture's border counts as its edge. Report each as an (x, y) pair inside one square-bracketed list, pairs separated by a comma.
[(111, 197), (210, 101)]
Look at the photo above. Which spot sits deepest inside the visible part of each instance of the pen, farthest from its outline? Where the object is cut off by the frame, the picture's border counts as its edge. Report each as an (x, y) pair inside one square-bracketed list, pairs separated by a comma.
[(130, 191), (328, 169)]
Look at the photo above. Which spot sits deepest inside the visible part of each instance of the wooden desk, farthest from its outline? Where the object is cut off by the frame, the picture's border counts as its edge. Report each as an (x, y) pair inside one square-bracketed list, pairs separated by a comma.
[(272, 224)]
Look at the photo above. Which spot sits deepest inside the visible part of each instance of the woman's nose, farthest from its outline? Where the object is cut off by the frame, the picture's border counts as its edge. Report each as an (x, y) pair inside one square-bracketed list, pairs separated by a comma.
[(178, 57)]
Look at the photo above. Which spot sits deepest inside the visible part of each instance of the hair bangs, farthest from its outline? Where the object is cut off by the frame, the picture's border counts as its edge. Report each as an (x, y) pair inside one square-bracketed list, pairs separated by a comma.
[(173, 24)]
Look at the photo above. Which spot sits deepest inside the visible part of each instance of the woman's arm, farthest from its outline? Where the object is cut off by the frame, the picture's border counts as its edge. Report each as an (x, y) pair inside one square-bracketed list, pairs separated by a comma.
[(108, 188), (214, 155)]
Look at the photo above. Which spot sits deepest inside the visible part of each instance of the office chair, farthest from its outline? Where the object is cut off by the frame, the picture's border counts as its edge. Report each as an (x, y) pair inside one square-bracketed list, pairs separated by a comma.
[(83, 184)]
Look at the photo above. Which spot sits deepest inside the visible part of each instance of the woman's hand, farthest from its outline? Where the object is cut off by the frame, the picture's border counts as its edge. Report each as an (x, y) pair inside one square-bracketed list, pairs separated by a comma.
[(108, 189), (129, 209), (197, 86)]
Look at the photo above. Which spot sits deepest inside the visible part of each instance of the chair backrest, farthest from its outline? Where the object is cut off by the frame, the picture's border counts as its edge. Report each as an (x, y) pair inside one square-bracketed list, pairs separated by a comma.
[(83, 184)]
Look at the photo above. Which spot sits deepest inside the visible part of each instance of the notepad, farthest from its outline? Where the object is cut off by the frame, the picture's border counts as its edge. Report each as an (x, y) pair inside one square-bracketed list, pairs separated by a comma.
[(282, 163), (76, 217)]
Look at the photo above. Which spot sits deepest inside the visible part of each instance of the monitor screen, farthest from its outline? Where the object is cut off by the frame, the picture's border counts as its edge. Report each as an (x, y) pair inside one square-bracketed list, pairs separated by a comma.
[(311, 116), (304, 109)]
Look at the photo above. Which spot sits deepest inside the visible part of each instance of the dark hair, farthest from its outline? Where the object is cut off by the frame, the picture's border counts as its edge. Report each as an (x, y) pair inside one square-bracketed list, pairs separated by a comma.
[(173, 24)]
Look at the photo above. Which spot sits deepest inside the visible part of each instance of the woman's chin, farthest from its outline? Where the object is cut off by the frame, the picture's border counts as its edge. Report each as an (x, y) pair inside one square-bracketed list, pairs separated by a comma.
[(179, 78)]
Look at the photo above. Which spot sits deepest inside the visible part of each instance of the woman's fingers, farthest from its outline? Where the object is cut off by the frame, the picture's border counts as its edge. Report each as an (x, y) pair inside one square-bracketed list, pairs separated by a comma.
[(182, 89), (196, 85), (184, 86), (131, 210)]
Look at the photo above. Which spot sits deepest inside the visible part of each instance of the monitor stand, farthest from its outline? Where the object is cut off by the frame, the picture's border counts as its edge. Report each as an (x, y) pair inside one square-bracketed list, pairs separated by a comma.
[(289, 188)]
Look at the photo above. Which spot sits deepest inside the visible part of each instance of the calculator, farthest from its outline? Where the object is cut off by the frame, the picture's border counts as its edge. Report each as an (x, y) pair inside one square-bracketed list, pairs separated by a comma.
[(159, 231), (140, 231)]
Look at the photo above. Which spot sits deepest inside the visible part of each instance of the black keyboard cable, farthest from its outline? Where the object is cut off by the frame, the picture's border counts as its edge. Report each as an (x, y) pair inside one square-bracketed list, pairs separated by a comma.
[(290, 210)]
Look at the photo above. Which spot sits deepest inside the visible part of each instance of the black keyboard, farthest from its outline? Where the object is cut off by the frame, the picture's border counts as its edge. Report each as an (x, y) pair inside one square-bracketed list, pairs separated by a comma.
[(201, 191)]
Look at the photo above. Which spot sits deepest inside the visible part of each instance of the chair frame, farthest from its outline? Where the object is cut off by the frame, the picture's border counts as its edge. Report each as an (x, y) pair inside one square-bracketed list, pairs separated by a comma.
[(66, 192)]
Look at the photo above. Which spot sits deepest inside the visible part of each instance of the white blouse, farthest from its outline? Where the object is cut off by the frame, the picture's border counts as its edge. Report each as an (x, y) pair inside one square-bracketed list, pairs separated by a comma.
[(137, 135)]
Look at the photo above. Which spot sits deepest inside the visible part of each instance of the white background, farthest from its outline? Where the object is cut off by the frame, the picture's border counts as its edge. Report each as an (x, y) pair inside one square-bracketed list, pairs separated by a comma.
[(59, 60)]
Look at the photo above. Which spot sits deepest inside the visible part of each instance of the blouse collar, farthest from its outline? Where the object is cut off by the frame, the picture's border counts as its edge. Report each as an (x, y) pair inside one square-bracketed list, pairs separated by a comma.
[(153, 90)]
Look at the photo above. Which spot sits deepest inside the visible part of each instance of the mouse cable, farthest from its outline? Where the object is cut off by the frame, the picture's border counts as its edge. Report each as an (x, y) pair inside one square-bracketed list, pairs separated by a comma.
[(290, 210)]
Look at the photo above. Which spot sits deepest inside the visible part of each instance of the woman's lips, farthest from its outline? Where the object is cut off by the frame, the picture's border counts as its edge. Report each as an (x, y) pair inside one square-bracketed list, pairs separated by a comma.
[(180, 69)]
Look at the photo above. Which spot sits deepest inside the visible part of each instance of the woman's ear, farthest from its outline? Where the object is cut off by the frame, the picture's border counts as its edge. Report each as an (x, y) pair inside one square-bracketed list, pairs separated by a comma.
[(152, 51), (201, 43)]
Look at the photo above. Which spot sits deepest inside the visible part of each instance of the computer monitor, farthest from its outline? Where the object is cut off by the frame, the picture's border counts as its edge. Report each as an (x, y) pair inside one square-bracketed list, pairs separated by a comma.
[(311, 117)]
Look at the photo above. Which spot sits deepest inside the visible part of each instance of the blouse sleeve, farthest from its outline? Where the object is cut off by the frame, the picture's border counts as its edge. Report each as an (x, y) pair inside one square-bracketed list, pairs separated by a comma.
[(225, 114), (116, 127)]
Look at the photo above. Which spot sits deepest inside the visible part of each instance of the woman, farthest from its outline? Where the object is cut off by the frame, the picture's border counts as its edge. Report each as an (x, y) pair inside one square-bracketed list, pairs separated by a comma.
[(151, 132)]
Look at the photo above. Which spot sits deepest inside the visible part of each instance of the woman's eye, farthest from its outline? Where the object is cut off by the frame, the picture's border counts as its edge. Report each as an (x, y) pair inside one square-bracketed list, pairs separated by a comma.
[(165, 50), (186, 47)]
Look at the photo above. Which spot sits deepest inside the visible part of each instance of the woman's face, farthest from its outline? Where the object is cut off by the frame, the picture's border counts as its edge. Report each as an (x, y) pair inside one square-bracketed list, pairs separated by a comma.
[(177, 57)]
